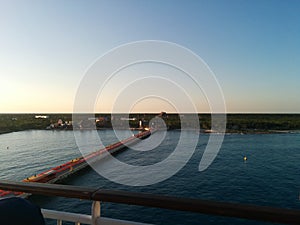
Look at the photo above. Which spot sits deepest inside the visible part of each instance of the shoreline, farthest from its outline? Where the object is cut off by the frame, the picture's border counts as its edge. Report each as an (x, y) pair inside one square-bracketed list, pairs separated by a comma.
[(235, 123), (241, 132)]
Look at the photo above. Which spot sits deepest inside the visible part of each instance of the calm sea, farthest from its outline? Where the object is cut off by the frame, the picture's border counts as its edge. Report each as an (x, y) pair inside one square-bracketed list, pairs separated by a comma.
[(269, 177)]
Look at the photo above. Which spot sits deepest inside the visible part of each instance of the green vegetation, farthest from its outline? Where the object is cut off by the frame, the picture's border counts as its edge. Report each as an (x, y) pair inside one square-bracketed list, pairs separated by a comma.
[(247, 123), (263, 122), (19, 122)]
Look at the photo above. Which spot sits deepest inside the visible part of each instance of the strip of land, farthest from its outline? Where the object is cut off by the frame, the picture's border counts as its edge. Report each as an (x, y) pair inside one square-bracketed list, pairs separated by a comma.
[(236, 123)]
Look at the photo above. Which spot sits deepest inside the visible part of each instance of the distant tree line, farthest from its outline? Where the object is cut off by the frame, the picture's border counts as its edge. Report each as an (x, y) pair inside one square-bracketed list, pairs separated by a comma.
[(235, 122)]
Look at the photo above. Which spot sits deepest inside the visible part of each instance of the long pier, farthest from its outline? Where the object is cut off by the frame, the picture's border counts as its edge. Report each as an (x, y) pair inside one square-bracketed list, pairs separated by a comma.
[(60, 172)]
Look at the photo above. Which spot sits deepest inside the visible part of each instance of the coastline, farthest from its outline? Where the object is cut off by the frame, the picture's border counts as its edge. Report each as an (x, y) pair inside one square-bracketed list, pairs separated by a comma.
[(235, 124), (241, 132)]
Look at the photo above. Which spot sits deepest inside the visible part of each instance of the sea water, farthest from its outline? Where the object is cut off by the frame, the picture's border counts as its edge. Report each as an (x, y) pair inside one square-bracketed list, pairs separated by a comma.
[(270, 175)]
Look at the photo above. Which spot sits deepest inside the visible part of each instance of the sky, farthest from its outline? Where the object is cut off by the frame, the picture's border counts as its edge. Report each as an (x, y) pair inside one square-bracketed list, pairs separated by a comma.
[(252, 47)]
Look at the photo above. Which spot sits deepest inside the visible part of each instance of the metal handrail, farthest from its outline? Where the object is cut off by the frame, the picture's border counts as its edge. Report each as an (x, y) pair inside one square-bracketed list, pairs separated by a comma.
[(253, 212)]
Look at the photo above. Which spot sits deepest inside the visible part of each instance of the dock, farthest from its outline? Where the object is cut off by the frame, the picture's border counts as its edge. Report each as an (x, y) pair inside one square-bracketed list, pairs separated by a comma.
[(60, 172)]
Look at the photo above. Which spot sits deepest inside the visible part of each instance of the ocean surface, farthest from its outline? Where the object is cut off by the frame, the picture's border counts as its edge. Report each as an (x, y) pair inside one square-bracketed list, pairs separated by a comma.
[(270, 176)]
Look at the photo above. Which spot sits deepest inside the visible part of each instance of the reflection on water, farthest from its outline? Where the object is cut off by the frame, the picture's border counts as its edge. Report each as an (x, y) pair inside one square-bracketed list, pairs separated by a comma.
[(270, 176)]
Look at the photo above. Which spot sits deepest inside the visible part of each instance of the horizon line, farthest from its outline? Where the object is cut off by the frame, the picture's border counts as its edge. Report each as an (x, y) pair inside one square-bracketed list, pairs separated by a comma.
[(149, 112)]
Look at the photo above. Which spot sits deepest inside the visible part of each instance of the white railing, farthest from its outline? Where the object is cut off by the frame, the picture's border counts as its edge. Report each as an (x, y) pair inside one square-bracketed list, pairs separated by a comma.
[(78, 219)]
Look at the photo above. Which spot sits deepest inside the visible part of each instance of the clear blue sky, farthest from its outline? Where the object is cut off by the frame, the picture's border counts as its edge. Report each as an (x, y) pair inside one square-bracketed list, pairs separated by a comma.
[(253, 47)]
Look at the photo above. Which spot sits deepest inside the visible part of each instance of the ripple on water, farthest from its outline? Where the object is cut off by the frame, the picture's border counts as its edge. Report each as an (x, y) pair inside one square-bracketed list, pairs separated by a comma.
[(270, 176)]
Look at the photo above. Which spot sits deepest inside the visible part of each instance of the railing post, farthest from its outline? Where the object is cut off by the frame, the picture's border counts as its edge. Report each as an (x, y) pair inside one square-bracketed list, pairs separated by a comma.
[(96, 211), (59, 222)]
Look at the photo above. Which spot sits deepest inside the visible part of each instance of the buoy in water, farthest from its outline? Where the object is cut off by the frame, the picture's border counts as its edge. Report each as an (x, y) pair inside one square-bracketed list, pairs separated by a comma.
[(245, 158)]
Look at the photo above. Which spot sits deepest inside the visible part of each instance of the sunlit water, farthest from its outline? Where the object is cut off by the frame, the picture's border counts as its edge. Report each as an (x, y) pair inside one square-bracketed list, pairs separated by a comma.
[(270, 176)]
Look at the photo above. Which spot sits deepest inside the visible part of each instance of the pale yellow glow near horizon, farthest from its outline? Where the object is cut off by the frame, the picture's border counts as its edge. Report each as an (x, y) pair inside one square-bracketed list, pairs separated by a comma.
[(25, 98)]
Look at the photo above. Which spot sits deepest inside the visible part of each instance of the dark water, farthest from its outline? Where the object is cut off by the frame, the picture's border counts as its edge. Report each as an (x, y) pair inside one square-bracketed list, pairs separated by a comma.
[(269, 177)]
